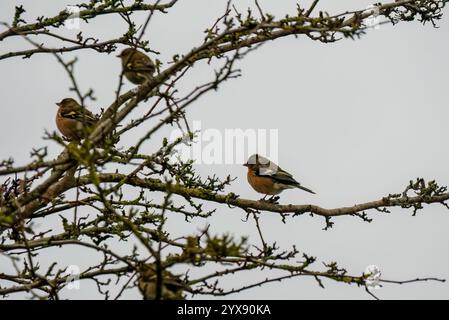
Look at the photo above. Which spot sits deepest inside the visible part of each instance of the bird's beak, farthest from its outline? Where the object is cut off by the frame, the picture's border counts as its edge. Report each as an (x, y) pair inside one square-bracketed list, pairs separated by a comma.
[(245, 165), (119, 56), (58, 104)]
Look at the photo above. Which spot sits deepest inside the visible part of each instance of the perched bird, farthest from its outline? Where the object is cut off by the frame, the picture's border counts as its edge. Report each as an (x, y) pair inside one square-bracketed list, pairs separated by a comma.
[(137, 66), (172, 287), (268, 178), (73, 120)]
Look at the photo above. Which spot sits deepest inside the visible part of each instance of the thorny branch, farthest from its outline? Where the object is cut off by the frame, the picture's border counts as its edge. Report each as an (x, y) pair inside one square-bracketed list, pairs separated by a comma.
[(134, 208)]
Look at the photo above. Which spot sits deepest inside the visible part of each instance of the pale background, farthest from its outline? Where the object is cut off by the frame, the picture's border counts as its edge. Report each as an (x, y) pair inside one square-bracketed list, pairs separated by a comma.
[(357, 120)]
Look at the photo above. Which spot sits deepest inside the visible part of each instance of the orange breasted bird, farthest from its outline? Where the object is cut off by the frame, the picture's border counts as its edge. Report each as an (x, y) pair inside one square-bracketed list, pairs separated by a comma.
[(73, 120), (268, 178)]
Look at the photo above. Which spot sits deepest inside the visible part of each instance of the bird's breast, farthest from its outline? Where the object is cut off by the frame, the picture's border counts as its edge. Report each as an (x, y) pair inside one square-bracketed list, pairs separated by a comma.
[(263, 184)]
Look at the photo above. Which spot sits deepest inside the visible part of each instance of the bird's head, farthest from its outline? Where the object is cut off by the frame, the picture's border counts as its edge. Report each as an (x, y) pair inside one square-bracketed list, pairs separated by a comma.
[(257, 161), (126, 53), (68, 104)]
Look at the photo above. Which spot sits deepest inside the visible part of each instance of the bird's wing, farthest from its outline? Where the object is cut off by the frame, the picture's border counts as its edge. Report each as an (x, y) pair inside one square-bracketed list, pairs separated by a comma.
[(81, 114), (277, 174), (283, 176), (142, 64), (267, 171)]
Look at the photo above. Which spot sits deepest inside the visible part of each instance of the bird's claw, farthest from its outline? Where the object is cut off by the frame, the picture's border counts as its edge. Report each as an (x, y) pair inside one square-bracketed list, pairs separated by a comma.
[(272, 199)]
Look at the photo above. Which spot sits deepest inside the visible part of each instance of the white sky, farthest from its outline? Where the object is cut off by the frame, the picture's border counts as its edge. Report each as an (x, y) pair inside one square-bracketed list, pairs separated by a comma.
[(356, 120)]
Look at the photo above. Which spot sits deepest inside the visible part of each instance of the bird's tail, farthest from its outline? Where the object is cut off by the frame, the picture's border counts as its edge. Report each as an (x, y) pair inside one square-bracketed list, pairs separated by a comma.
[(304, 188)]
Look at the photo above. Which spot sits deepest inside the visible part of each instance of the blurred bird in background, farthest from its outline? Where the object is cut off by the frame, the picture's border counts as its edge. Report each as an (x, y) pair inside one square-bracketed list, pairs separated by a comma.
[(73, 120), (137, 66), (172, 287), (268, 178)]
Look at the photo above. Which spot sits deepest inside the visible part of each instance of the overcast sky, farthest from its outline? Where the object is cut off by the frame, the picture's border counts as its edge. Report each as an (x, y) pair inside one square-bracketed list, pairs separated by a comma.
[(356, 121)]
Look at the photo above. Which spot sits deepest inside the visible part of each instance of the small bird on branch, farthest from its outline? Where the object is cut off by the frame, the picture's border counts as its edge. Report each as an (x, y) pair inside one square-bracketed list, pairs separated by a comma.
[(73, 120), (138, 68), (171, 286), (268, 178)]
